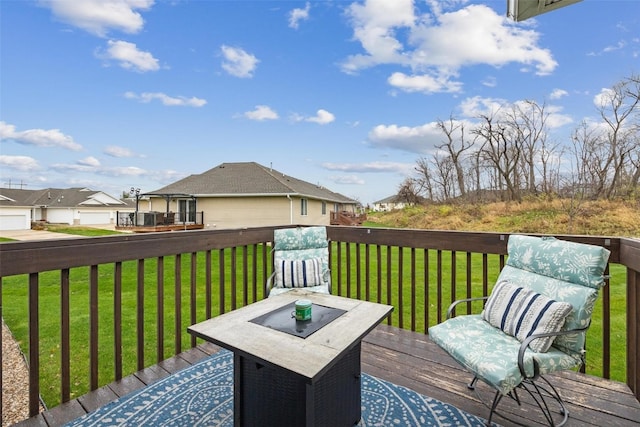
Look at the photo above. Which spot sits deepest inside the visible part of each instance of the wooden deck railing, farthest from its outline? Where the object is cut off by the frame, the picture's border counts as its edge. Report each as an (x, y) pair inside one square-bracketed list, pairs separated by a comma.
[(176, 279)]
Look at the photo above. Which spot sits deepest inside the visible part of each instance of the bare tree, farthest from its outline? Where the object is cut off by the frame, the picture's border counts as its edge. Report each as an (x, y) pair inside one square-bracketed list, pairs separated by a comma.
[(423, 181), (455, 145), (443, 176), (502, 150), (619, 109), (409, 191)]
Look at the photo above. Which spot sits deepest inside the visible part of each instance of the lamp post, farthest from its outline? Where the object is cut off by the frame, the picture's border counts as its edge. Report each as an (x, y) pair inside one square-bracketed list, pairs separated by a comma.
[(136, 192)]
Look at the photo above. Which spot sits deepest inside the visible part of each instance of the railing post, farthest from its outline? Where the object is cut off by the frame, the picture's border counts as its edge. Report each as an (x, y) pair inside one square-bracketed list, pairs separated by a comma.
[(633, 331)]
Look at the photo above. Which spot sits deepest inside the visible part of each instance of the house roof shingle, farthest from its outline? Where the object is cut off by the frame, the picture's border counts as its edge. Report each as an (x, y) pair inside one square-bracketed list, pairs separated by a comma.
[(57, 197), (248, 179)]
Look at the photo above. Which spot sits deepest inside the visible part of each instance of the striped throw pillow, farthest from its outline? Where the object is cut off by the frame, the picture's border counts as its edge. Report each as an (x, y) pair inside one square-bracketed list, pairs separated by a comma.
[(521, 312), (299, 273)]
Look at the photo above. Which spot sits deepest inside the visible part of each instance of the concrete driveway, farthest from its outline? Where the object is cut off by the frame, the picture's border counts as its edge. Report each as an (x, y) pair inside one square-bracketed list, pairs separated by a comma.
[(35, 235), (45, 235)]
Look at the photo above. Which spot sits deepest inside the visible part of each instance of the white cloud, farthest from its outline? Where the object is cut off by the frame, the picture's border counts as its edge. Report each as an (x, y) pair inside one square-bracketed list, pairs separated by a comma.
[(297, 15), (374, 26), (81, 166), (558, 93), (479, 106), (436, 46), (99, 16), (129, 56), (424, 83), (556, 118), (322, 117), (181, 101), (347, 179), (262, 112), (38, 137), (89, 161), (490, 81), (238, 62), (604, 98), (21, 163), (115, 151), (417, 139), (371, 167)]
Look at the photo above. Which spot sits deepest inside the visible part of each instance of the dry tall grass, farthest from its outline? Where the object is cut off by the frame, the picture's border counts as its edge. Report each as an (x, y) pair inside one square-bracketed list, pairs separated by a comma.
[(558, 216)]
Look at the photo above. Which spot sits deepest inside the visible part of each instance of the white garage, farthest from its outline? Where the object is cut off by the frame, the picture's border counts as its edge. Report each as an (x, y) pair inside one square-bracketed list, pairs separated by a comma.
[(92, 218), (15, 221)]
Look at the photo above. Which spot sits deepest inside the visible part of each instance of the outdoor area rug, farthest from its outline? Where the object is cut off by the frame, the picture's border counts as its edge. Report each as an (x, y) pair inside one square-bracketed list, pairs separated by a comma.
[(202, 395)]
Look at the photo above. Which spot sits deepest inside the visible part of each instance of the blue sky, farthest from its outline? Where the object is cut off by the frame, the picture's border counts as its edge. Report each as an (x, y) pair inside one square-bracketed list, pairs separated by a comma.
[(114, 94)]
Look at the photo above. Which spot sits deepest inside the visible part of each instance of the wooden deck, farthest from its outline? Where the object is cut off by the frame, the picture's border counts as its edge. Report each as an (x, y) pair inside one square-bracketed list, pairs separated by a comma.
[(411, 360)]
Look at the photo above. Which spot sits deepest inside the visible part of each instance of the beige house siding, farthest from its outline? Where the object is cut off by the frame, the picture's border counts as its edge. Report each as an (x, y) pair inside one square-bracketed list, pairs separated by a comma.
[(239, 212)]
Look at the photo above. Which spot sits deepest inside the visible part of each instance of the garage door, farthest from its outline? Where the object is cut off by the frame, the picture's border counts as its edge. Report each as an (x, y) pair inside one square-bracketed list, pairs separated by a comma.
[(13, 222), (89, 218)]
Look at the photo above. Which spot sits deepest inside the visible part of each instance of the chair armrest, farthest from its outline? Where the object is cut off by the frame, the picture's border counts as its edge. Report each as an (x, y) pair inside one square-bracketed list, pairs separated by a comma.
[(327, 277), (455, 303), (525, 345), (270, 282)]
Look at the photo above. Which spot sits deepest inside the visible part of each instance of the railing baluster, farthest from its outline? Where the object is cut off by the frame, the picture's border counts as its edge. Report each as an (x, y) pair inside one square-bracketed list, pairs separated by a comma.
[(633, 331), (93, 327), (379, 273), (245, 276), (177, 277), (339, 262), (439, 284), (389, 284), (221, 292), (485, 275), (117, 319), (454, 266), (254, 272), (606, 328), (367, 274), (427, 288), (469, 288), (358, 273), (207, 284), (348, 250), (140, 314), (413, 289), (400, 287), (65, 346), (34, 345), (160, 309), (234, 290), (193, 307)]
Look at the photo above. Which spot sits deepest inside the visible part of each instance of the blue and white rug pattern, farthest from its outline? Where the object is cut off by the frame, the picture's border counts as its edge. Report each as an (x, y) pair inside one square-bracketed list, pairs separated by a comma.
[(202, 395)]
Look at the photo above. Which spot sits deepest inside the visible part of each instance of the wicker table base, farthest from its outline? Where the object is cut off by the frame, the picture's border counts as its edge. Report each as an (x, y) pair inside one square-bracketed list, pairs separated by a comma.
[(269, 396)]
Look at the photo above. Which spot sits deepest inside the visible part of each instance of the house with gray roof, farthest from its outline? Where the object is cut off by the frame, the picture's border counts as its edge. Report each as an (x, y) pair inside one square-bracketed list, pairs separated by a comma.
[(73, 206), (235, 195)]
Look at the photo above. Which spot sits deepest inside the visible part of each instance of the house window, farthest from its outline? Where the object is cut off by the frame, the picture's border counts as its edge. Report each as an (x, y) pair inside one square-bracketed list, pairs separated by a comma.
[(324, 208), (187, 210), (303, 207)]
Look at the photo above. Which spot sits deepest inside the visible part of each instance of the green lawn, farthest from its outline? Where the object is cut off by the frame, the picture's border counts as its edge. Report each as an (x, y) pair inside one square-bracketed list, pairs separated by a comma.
[(15, 311)]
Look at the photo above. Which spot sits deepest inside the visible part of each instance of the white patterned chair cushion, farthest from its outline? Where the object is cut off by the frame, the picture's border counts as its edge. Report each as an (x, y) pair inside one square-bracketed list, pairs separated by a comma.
[(521, 312), (561, 271), (492, 355), (292, 245)]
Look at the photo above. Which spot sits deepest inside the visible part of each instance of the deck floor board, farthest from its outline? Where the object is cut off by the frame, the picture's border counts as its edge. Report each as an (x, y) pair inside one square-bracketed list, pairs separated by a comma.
[(409, 359)]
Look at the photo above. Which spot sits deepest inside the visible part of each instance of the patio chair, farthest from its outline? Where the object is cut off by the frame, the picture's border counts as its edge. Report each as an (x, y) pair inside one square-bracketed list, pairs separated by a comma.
[(533, 323), (300, 260)]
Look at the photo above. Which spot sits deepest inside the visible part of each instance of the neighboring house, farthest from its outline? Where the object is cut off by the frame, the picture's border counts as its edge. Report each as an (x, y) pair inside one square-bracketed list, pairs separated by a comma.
[(234, 195), (73, 206), (390, 203)]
